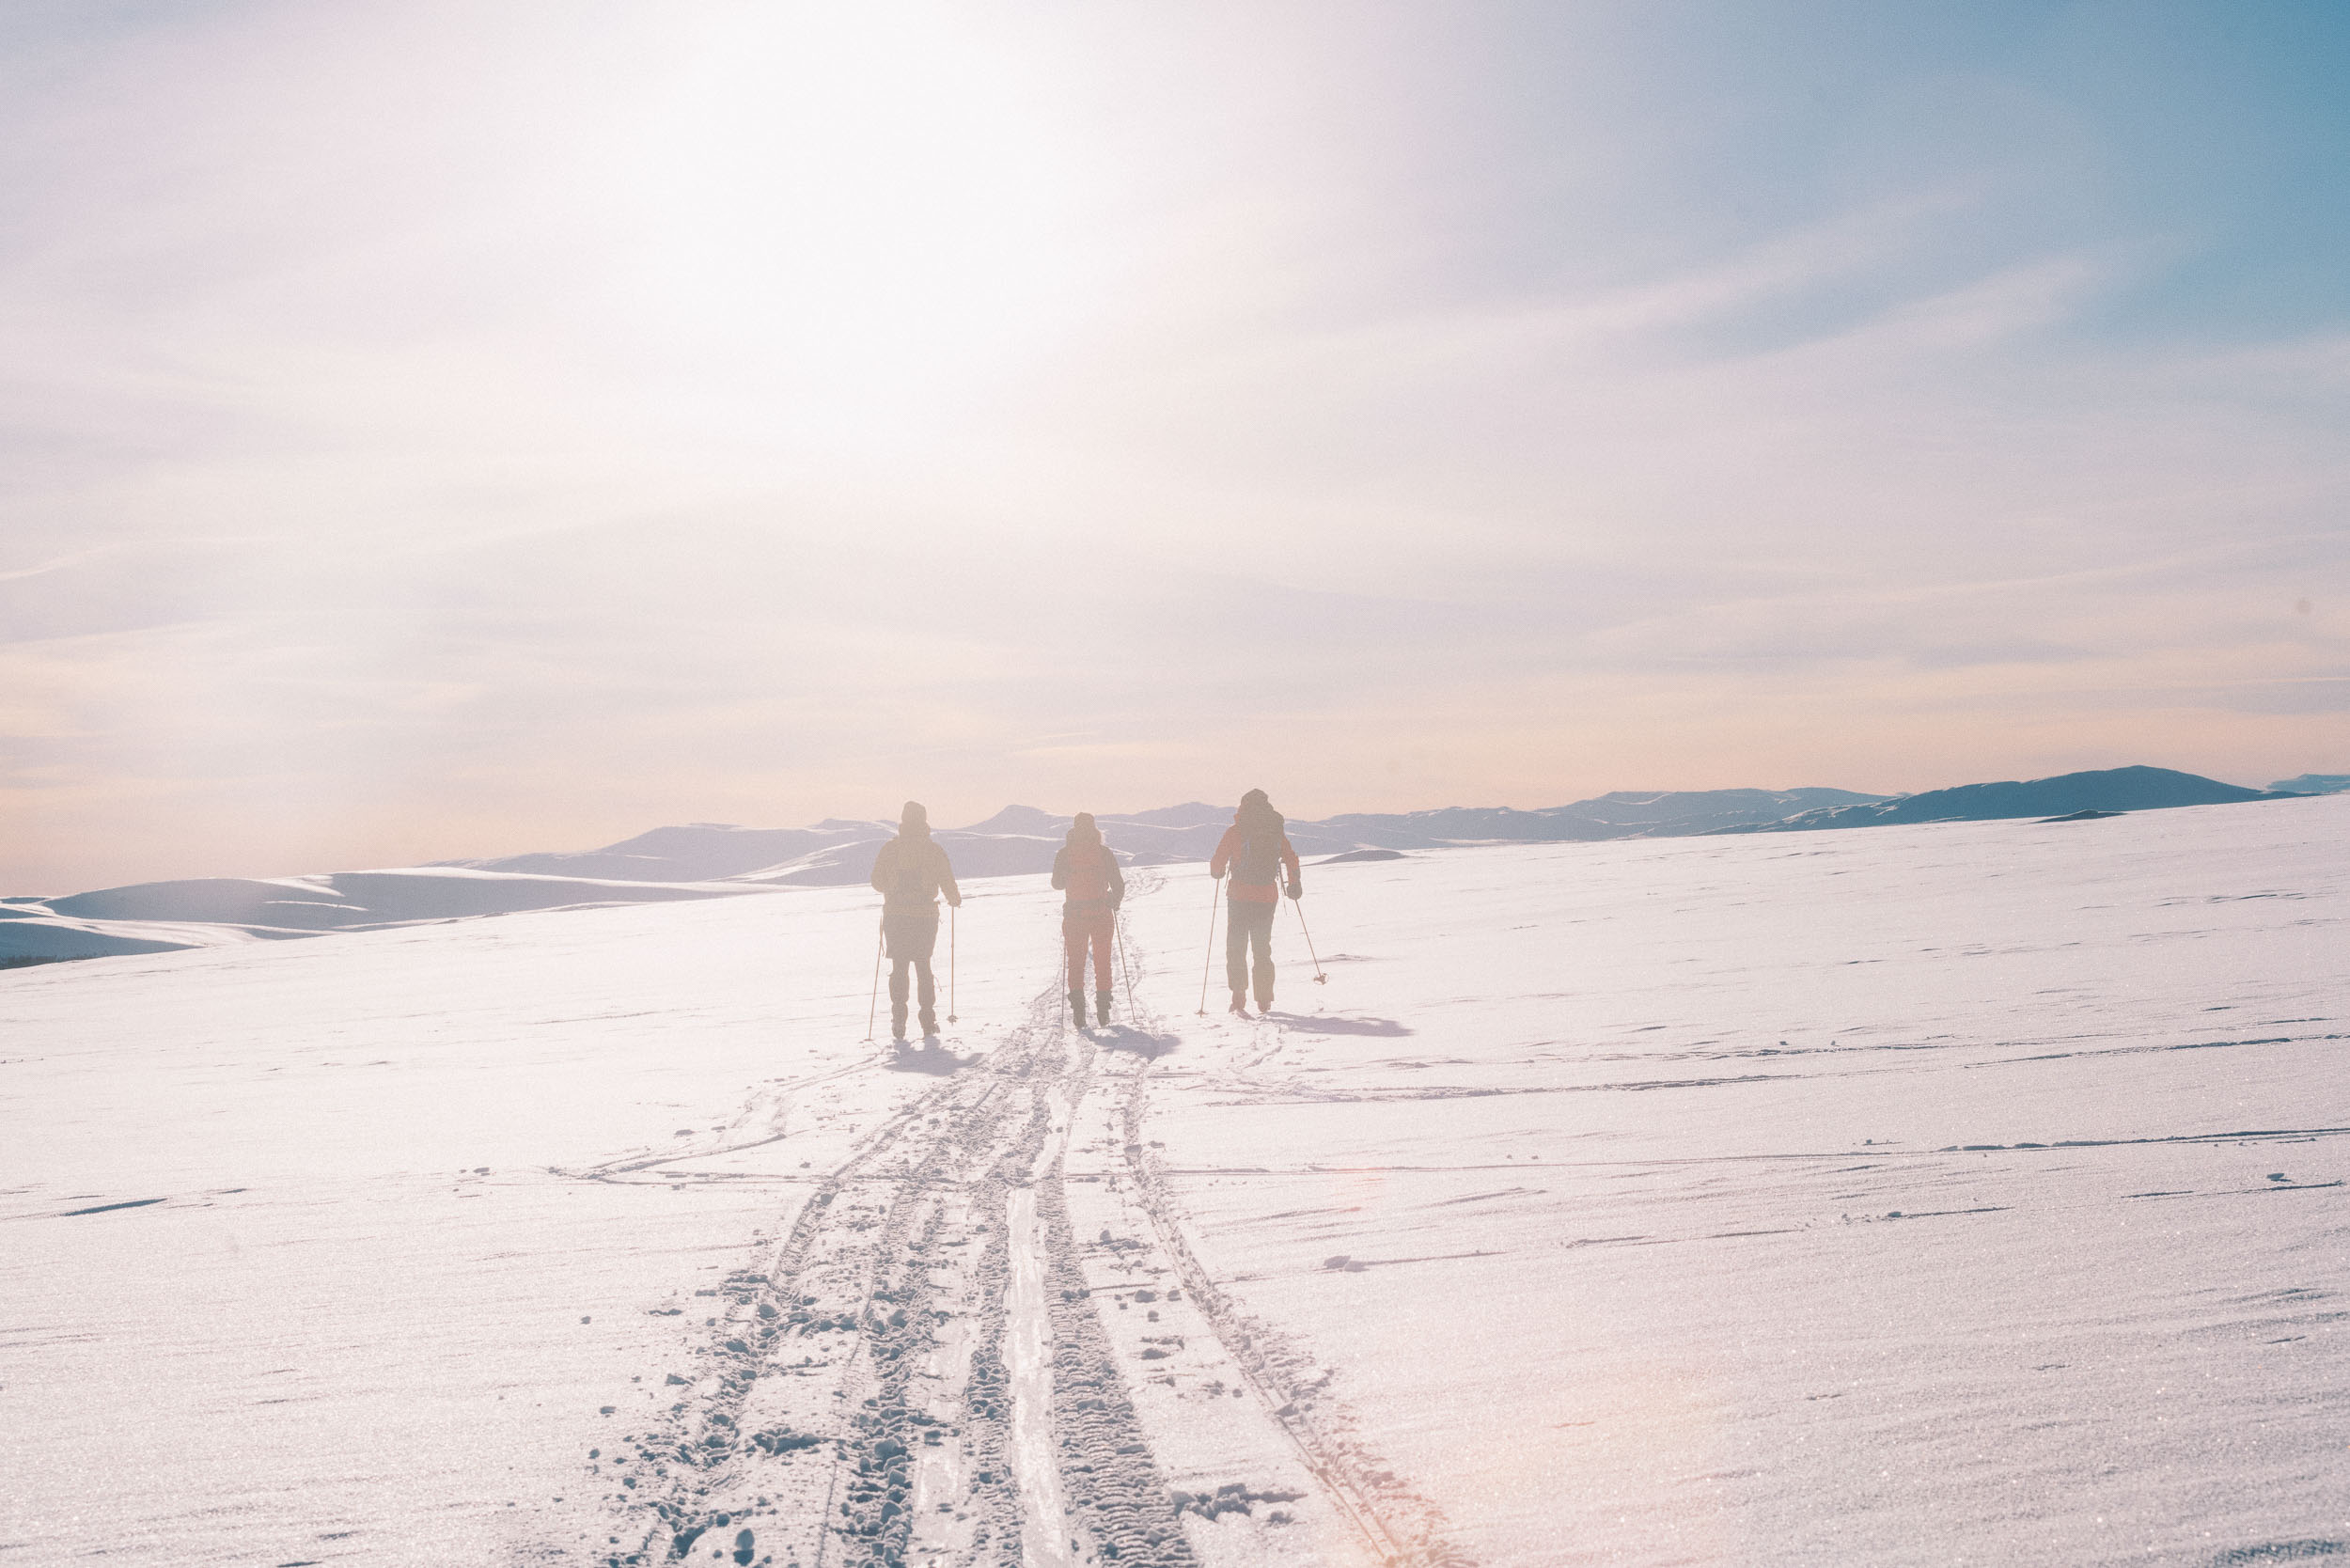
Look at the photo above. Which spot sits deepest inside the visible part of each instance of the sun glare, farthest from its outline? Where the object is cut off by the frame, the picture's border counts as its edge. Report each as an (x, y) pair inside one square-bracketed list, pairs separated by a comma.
[(852, 217)]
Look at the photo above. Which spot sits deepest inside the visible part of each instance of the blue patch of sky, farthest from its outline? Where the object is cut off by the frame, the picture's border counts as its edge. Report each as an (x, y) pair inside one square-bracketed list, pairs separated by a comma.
[(44, 36), (2201, 150)]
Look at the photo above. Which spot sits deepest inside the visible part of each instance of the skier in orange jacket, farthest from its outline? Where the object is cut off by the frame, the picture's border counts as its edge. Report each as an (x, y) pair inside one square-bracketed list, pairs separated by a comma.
[(1256, 850), (1087, 870)]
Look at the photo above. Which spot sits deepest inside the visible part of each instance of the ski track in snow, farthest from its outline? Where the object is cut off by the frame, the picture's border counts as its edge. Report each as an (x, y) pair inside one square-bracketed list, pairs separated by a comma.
[(1764, 1218), (921, 1372), (1396, 1525)]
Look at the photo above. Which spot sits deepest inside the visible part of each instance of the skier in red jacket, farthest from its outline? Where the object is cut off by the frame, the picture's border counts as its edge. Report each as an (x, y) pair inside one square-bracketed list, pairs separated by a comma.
[(1087, 870), (1256, 850)]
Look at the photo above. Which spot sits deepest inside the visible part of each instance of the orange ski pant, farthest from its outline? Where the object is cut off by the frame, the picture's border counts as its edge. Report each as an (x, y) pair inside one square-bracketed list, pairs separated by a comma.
[(1081, 924)]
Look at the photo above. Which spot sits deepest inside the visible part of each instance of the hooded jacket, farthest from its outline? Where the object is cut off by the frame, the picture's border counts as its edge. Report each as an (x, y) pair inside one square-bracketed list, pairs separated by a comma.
[(1086, 868), (911, 869), (1259, 825)]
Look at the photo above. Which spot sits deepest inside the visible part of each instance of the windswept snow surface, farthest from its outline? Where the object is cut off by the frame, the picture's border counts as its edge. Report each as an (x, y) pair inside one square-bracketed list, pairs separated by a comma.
[(1965, 1193)]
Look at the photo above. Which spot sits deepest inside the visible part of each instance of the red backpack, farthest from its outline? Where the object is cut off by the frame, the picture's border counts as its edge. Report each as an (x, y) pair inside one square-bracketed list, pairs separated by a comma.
[(1088, 880)]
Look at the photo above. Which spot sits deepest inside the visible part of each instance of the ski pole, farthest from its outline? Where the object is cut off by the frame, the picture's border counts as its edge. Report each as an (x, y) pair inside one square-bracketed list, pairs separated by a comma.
[(1206, 963), (1320, 978), (950, 961), (1061, 966), (1126, 968), (872, 1004)]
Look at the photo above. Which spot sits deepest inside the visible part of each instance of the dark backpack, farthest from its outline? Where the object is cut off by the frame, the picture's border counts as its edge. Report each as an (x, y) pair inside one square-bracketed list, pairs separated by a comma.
[(910, 869), (1258, 860)]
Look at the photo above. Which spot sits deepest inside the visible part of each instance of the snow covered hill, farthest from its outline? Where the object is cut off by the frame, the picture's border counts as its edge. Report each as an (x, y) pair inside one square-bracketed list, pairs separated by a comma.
[(712, 859), (2104, 789), (1022, 839), (160, 916), (1934, 1194)]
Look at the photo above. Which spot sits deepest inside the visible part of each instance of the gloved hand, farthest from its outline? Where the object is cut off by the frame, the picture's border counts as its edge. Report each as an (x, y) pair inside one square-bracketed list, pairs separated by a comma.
[(955, 902), (1296, 886)]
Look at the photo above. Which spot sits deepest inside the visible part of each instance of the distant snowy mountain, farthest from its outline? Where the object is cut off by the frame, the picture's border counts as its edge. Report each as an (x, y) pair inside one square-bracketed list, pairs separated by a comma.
[(702, 861), (697, 852), (2313, 784), (1622, 814), (2104, 789), (160, 916), (1022, 839)]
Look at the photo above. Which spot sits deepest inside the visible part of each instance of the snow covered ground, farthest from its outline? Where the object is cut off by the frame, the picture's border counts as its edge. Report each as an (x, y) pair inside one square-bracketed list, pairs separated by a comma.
[(1967, 1193)]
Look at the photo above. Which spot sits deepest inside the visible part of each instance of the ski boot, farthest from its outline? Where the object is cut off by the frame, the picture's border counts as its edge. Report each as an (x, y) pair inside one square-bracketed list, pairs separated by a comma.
[(1102, 1006), (1078, 1010), (1239, 1003)]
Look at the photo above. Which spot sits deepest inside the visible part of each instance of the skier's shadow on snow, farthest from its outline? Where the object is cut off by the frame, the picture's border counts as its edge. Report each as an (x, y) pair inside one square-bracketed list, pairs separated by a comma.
[(1386, 1029), (926, 1057), (1142, 1043)]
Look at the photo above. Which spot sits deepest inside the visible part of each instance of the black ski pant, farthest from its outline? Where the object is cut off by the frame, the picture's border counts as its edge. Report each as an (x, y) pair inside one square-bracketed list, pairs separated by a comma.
[(1250, 925), (912, 936)]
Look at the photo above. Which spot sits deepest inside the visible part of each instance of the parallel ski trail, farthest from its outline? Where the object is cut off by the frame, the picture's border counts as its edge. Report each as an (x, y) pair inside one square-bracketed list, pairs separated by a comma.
[(919, 1373), (1398, 1526), (811, 1367), (1028, 1351)]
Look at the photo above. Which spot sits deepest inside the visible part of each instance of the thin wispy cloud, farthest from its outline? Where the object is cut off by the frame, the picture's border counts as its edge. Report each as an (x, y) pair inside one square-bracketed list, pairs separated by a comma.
[(434, 428)]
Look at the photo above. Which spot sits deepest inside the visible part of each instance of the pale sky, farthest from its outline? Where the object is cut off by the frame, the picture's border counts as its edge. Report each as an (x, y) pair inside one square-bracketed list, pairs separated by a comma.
[(456, 429)]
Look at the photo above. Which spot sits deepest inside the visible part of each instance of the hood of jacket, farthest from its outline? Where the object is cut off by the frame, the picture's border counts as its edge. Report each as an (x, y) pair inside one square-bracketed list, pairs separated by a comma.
[(1257, 815)]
